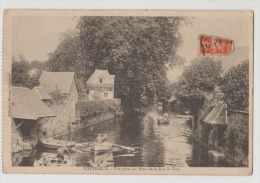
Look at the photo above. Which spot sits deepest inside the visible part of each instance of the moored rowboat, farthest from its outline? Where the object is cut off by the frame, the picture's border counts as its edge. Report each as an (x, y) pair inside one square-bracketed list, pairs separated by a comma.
[(55, 144), (163, 121), (101, 147), (50, 159)]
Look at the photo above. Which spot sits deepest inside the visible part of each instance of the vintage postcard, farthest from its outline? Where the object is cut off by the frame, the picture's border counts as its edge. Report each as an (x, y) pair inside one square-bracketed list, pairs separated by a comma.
[(128, 92)]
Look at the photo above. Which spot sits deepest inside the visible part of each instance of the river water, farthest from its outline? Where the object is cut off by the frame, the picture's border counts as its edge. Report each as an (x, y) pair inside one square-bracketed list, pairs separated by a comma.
[(157, 145)]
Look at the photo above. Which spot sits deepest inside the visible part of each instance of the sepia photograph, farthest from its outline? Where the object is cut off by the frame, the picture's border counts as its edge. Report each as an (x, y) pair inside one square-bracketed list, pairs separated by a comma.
[(120, 92)]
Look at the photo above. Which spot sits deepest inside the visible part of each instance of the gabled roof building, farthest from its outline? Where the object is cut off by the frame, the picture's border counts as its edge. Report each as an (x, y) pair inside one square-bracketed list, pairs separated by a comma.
[(100, 85), (29, 112), (65, 83)]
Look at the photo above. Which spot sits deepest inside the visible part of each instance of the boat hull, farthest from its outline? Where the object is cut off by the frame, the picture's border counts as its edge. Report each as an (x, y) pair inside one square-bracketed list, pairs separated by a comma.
[(55, 144), (51, 160), (163, 121)]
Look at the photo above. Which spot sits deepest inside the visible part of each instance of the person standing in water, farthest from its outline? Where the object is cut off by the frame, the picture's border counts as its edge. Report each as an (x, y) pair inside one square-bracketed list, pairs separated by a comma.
[(62, 151), (101, 138)]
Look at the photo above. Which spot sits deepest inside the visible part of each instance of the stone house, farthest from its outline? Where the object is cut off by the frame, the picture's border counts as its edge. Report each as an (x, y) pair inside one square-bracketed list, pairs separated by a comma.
[(29, 112), (63, 89), (100, 85)]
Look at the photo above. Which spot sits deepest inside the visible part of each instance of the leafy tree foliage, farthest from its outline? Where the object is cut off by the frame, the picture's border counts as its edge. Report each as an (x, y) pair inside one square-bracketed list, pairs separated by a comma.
[(38, 65), (140, 46), (235, 86), (135, 49), (92, 107), (201, 76), (20, 74), (65, 56)]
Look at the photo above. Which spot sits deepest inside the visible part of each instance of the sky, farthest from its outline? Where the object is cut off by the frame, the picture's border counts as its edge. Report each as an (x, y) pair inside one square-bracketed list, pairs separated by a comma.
[(36, 36), (234, 28)]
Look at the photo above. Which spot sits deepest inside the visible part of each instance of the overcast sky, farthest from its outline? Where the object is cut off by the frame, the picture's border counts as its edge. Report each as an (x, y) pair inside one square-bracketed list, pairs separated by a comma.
[(235, 28), (35, 37)]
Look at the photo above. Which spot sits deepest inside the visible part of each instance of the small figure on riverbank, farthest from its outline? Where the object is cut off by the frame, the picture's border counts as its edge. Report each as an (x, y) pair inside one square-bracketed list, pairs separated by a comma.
[(163, 119), (101, 138), (213, 136), (62, 151)]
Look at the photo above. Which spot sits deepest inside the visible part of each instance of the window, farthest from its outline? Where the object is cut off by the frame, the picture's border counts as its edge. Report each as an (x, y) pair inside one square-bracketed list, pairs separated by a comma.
[(96, 95), (100, 80), (105, 94)]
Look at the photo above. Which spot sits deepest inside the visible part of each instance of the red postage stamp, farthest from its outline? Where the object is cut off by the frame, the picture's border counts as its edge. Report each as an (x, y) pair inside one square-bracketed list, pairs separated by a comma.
[(213, 45)]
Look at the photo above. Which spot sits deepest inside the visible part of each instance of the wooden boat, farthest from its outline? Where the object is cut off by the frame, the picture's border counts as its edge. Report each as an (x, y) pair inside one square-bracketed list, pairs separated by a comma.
[(50, 159), (184, 116), (81, 148), (55, 144), (119, 148), (101, 147), (102, 160), (163, 120)]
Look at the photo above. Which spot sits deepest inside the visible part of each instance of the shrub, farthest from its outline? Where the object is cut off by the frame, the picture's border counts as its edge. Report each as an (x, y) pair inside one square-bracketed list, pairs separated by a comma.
[(237, 140), (57, 96), (92, 107)]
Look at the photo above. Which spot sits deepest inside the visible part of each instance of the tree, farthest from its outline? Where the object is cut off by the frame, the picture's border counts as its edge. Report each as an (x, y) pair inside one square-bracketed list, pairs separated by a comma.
[(198, 79), (136, 49), (38, 65), (201, 76), (235, 86), (65, 56), (20, 74)]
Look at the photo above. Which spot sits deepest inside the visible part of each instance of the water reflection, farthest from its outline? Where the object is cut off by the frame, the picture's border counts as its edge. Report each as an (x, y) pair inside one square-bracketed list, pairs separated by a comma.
[(156, 145)]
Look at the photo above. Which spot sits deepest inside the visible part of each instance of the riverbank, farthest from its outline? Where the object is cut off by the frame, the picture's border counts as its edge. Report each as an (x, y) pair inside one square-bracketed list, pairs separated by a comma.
[(88, 112), (86, 122), (55, 128)]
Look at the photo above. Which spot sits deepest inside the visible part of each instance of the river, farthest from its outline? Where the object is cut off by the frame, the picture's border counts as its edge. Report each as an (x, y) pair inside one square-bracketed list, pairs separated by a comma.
[(158, 145)]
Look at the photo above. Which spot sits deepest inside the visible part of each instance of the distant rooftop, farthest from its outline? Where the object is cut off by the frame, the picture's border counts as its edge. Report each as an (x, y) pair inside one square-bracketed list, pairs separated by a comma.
[(101, 74), (51, 81)]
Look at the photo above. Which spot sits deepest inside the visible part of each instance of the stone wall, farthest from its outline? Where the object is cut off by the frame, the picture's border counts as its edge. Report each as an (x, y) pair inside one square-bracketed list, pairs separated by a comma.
[(65, 111), (88, 121), (17, 140), (60, 123), (59, 128)]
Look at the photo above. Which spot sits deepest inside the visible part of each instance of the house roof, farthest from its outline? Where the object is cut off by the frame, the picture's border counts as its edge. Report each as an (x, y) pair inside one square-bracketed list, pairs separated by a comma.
[(26, 104), (217, 115), (51, 81), (98, 74), (42, 93)]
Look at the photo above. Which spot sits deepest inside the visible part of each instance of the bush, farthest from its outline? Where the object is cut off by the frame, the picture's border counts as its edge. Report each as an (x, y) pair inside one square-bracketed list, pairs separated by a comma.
[(237, 140), (235, 86), (92, 107)]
